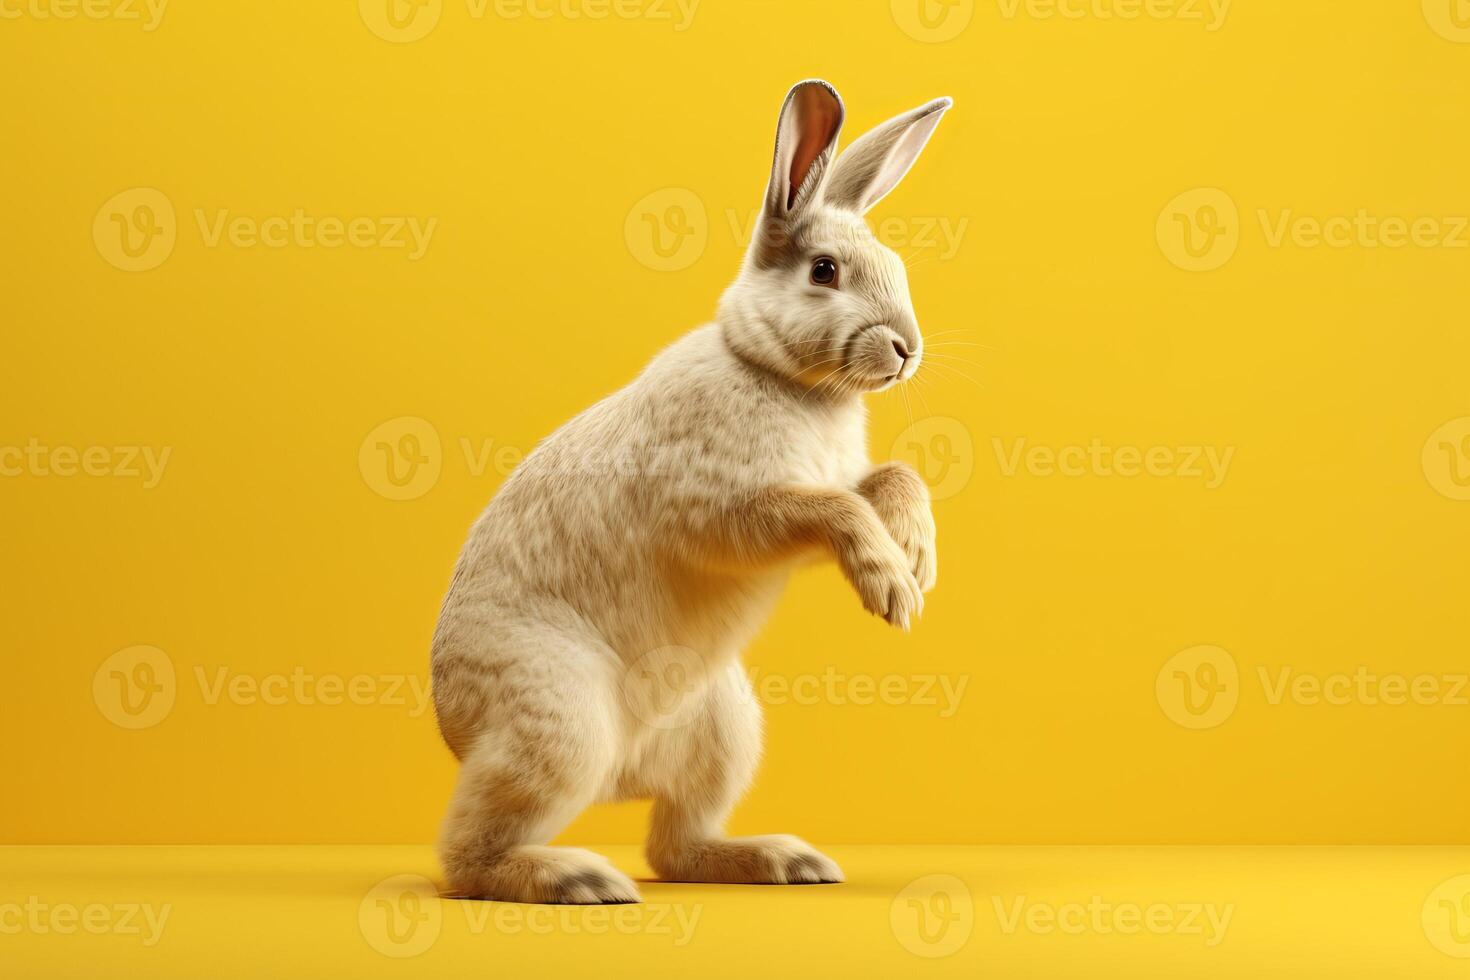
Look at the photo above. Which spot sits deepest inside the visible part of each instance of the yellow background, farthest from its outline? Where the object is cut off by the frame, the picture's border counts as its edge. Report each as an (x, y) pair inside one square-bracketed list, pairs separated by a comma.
[(1332, 543)]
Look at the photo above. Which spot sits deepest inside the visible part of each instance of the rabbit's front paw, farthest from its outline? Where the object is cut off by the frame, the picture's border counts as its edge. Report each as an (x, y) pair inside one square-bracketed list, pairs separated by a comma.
[(881, 573), (901, 500), (914, 533)]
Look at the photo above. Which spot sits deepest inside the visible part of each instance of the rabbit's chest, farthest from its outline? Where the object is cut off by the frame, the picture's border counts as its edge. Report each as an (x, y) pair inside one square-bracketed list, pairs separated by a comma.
[(834, 455)]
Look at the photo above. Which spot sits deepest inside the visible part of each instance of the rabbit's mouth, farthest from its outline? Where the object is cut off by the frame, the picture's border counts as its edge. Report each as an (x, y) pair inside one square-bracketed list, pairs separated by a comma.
[(881, 356), (909, 369)]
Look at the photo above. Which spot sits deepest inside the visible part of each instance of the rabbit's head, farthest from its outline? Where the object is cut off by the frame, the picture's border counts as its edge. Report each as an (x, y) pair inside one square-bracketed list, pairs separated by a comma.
[(819, 299)]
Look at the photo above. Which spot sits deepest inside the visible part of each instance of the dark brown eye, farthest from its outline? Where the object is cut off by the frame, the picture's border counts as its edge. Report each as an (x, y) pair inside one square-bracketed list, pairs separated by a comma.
[(824, 272)]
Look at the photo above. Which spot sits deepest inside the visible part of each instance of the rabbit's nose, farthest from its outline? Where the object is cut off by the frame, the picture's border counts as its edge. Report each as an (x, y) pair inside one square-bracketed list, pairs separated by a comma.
[(901, 349)]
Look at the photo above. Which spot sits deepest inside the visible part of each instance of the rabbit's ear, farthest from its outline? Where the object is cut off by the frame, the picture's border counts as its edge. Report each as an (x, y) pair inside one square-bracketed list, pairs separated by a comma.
[(806, 139), (873, 166)]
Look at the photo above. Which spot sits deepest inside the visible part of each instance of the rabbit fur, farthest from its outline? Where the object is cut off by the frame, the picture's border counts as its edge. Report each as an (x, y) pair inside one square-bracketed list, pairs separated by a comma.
[(588, 647)]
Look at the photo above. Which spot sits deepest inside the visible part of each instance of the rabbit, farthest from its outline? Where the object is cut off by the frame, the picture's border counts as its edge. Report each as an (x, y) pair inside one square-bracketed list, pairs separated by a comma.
[(588, 648)]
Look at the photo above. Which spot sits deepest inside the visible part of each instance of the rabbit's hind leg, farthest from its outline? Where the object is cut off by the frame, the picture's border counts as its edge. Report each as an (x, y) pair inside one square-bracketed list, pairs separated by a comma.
[(545, 751), (686, 841)]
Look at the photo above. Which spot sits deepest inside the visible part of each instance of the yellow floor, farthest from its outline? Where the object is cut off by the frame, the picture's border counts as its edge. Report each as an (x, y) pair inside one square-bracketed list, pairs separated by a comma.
[(923, 911)]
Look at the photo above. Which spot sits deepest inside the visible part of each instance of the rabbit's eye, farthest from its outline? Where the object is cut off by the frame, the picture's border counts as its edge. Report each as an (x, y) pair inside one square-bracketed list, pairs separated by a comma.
[(824, 272)]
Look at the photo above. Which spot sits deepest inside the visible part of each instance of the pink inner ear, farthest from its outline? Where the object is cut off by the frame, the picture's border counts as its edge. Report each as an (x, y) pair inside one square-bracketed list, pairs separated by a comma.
[(817, 117)]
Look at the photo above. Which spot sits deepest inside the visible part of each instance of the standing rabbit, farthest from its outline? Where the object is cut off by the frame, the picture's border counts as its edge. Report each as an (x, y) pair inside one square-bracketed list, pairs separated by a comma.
[(588, 648)]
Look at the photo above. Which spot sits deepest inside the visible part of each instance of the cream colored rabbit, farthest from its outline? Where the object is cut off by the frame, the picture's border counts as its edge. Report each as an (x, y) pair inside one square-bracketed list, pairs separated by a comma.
[(588, 649)]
